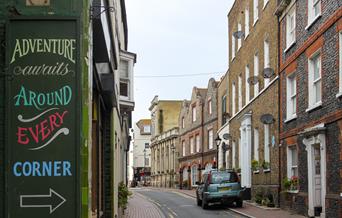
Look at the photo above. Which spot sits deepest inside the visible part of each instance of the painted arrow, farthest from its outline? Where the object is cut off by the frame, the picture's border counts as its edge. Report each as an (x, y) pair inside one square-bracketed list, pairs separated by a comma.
[(39, 201)]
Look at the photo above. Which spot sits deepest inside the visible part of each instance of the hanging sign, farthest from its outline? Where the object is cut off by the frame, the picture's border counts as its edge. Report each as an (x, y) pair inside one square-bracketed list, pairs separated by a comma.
[(42, 139)]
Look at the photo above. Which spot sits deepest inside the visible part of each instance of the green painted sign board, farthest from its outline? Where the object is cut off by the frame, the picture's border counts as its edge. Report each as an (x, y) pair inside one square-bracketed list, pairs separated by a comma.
[(42, 139)]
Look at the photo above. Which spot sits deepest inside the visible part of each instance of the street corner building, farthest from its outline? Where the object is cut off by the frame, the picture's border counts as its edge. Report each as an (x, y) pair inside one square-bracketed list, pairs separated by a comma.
[(311, 106), (164, 142), (66, 99), (197, 130), (252, 88)]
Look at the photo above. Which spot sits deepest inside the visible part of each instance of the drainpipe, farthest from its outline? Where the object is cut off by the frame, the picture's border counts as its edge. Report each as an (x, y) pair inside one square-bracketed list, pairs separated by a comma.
[(279, 121)]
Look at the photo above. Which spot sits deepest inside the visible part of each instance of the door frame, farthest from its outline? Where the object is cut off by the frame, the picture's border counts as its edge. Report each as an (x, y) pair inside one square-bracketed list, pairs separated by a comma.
[(309, 142)]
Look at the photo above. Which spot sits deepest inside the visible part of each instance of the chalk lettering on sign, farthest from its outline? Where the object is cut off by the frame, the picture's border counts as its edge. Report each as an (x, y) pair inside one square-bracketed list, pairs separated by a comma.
[(43, 168), (59, 69), (39, 133), (30, 98), (62, 47)]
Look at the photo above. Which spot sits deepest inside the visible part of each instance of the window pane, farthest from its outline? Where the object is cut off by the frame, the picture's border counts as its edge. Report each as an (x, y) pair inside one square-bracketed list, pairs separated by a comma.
[(294, 105), (318, 91), (294, 156)]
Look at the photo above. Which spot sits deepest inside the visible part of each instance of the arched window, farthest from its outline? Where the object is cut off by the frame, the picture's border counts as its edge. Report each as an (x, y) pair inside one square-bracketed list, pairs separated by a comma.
[(194, 174)]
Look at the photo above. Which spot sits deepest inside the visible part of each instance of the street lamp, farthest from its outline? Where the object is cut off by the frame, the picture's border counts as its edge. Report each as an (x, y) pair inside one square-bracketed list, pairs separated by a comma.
[(218, 142), (173, 148)]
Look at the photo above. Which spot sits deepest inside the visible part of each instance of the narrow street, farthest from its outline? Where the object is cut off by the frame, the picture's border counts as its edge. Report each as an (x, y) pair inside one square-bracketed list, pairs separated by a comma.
[(147, 202)]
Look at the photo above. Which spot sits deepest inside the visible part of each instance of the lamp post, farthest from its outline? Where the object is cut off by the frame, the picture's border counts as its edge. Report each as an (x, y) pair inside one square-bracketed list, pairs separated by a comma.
[(173, 148), (144, 168), (218, 142)]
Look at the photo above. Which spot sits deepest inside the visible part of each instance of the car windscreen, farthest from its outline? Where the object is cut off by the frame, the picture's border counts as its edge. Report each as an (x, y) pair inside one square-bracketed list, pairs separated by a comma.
[(223, 177)]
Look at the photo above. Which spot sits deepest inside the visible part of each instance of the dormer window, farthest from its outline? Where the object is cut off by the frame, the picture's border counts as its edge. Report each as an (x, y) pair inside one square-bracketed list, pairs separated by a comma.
[(147, 129)]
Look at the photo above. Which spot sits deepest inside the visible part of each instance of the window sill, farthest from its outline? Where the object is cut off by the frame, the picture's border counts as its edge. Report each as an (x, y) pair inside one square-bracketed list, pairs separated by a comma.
[(292, 191), (256, 171), (313, 107), (290, 46), (267, 170), (290, 119), (312, 22), (339, 95), (263, 8)]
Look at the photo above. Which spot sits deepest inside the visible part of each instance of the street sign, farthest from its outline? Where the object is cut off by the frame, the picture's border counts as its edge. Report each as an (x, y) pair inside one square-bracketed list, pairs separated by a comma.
[(42, 137)]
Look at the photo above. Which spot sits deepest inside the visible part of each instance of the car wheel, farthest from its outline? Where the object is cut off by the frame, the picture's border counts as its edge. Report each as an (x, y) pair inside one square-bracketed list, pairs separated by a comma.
[(199, 202), (204, 203), (239, 203)]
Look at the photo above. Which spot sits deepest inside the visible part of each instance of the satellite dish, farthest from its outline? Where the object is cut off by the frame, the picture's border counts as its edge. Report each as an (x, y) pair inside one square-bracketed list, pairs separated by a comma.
[(239, 34), (268, 73), (253, 80), (226, 136), (267, 119)]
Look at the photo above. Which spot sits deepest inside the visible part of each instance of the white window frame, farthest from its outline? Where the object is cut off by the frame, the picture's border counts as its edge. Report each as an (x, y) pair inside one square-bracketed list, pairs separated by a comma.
[(291, 32), (312, 17), (312, 84), (340, 65), (246, 22), (247, 85), (194, 113), (183, 122), (266, 60), (267, 143), (233, 47), (210, 110), (256, 73), (210, 139), (194, 174), (239, 39), (292, 170), (256, 144), (192, 144), (291, 98), (255, 11), (183, 148), (198, 142), (233, 99), (240, 93)]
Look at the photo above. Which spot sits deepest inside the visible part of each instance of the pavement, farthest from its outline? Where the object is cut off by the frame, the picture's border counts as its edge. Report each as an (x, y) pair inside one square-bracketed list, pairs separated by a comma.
[(138, 207), (248, 210)]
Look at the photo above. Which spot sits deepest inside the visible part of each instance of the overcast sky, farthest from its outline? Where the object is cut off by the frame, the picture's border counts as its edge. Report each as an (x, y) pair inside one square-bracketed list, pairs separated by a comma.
[(175, 37)]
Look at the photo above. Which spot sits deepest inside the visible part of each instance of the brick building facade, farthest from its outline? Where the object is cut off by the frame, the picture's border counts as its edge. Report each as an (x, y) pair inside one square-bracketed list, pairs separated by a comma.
[(311, 106), (253, 93), (197, 130)]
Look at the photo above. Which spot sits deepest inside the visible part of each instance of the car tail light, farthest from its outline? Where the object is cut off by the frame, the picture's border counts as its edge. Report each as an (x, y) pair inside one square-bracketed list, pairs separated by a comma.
[(209, 178)]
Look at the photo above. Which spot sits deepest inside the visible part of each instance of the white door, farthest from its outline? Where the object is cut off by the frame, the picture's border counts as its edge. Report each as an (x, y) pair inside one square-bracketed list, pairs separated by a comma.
[(317, 175)]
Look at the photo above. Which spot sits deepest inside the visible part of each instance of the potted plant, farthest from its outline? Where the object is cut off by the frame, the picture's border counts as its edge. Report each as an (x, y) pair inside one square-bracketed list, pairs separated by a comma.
[(123, 194), (266, 166), (294, 183), (286, 183), (255, 165)]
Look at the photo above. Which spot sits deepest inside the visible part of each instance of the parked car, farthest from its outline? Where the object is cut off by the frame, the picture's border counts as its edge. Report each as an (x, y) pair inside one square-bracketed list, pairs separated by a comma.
[(219, 186)]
